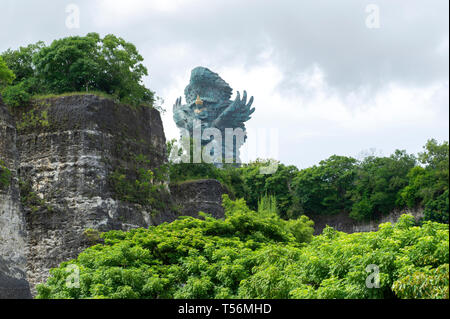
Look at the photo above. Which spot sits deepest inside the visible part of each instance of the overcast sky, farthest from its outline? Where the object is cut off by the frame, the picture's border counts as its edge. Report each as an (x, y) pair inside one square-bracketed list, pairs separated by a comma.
[(326, 75)]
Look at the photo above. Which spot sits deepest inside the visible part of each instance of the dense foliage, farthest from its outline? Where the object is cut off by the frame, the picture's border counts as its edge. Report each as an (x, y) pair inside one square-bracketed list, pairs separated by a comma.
[(6, 75), (258, 255), (365, 188), (378, 182), (428, 184), (73, 64), (324, 189)]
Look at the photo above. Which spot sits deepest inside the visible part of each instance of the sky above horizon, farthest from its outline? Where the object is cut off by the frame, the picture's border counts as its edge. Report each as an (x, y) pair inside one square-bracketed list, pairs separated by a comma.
[(347, 78)]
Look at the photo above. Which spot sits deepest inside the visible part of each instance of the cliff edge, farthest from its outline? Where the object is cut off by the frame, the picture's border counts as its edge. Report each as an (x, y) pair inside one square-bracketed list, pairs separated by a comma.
[(13, 283)]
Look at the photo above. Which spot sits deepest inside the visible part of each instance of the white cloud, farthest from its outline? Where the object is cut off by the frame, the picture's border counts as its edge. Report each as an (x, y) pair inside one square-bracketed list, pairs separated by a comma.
[(325, 81), (119, 12), (322, 113)]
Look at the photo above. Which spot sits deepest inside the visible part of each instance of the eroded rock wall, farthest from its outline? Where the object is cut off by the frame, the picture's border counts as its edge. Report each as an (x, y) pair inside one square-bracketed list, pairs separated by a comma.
[(342, 222), (13, 283), (63, 153), (203, 195), (69, 147)]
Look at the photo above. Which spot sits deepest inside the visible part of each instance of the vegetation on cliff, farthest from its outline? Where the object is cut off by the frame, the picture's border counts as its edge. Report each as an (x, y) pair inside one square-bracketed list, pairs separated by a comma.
[(5, 176), (258, 255), (365, 188), (6, 75), (109, 65)]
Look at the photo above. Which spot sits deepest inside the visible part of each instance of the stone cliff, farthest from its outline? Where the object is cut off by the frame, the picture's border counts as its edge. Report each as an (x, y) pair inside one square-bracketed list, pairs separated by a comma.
[(201, 195), (342, 222), (74, 166), (76, 159), (13, 283)]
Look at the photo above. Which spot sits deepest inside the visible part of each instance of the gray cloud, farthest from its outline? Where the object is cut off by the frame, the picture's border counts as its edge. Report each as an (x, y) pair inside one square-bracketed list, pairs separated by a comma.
[(331, 34), (410, 49)]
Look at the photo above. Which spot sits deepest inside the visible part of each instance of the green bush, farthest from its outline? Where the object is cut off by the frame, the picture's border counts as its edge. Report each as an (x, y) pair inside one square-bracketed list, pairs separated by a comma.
[(33, 119), (428, 184), (76, 64), (365, 189), (141, 190), (6, 75), (16, 95), (378, 182), (325, 188), (5, 175), (254, 255)]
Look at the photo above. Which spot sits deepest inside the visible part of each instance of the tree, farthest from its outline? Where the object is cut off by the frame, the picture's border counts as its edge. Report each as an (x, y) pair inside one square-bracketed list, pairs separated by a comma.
[(378, 182), (69, 64), (428, 184), (256, 185), (324, 189), (80, 64), (188, 258), (6, 75), (20, 61), (252, 255), (25, 84)]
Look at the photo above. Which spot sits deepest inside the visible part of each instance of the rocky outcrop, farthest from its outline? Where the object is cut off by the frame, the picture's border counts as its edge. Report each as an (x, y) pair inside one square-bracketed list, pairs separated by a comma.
[(342, 222), (201, 195), (13, 283), (69, 148), (68, 160), (73, 159)]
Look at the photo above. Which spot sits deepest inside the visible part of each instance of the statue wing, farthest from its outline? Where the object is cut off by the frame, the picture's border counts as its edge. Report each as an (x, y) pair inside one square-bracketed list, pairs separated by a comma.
[(237, 112), (182, 114)]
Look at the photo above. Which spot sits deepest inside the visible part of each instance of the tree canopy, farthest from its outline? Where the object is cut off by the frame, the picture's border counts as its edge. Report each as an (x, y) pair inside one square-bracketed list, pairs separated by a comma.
[(257, 255), (78, 64), (365, 189), (6, 75)]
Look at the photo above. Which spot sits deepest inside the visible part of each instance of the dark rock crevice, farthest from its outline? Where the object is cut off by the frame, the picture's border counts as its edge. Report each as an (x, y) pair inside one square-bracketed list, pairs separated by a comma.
[(13, 235)]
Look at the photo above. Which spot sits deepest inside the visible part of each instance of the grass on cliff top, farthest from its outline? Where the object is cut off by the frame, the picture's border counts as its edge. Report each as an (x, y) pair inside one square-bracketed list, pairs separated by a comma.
[(100, 94), (52, 96)]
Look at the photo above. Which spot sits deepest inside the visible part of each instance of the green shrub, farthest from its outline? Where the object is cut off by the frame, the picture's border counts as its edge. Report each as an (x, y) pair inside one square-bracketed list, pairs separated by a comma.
[(5, 175), (248, 255), (76, 64), (16, 95), (33, 119), (92, 235), (428, 185), (30, 199), (140, 185), (6, 75)]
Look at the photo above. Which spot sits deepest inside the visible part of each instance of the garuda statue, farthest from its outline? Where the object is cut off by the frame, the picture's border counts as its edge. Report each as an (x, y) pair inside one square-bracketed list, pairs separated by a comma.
[(209, 106)]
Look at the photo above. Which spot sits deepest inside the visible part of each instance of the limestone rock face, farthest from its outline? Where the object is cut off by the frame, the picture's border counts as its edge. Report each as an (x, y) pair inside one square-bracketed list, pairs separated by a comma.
[(201, 195), (13, 282), (67, 157), (63, 154), (342, 222)]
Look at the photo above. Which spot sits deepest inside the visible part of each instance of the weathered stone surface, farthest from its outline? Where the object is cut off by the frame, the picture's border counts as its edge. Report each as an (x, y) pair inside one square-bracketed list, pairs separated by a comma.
[(64, 154), (65, 160), (201, 195), (13, 282), (342, 222), (67, 165)]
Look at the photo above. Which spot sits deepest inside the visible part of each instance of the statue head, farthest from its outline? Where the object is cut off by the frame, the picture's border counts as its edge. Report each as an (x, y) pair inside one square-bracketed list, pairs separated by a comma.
[(208, 85)]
